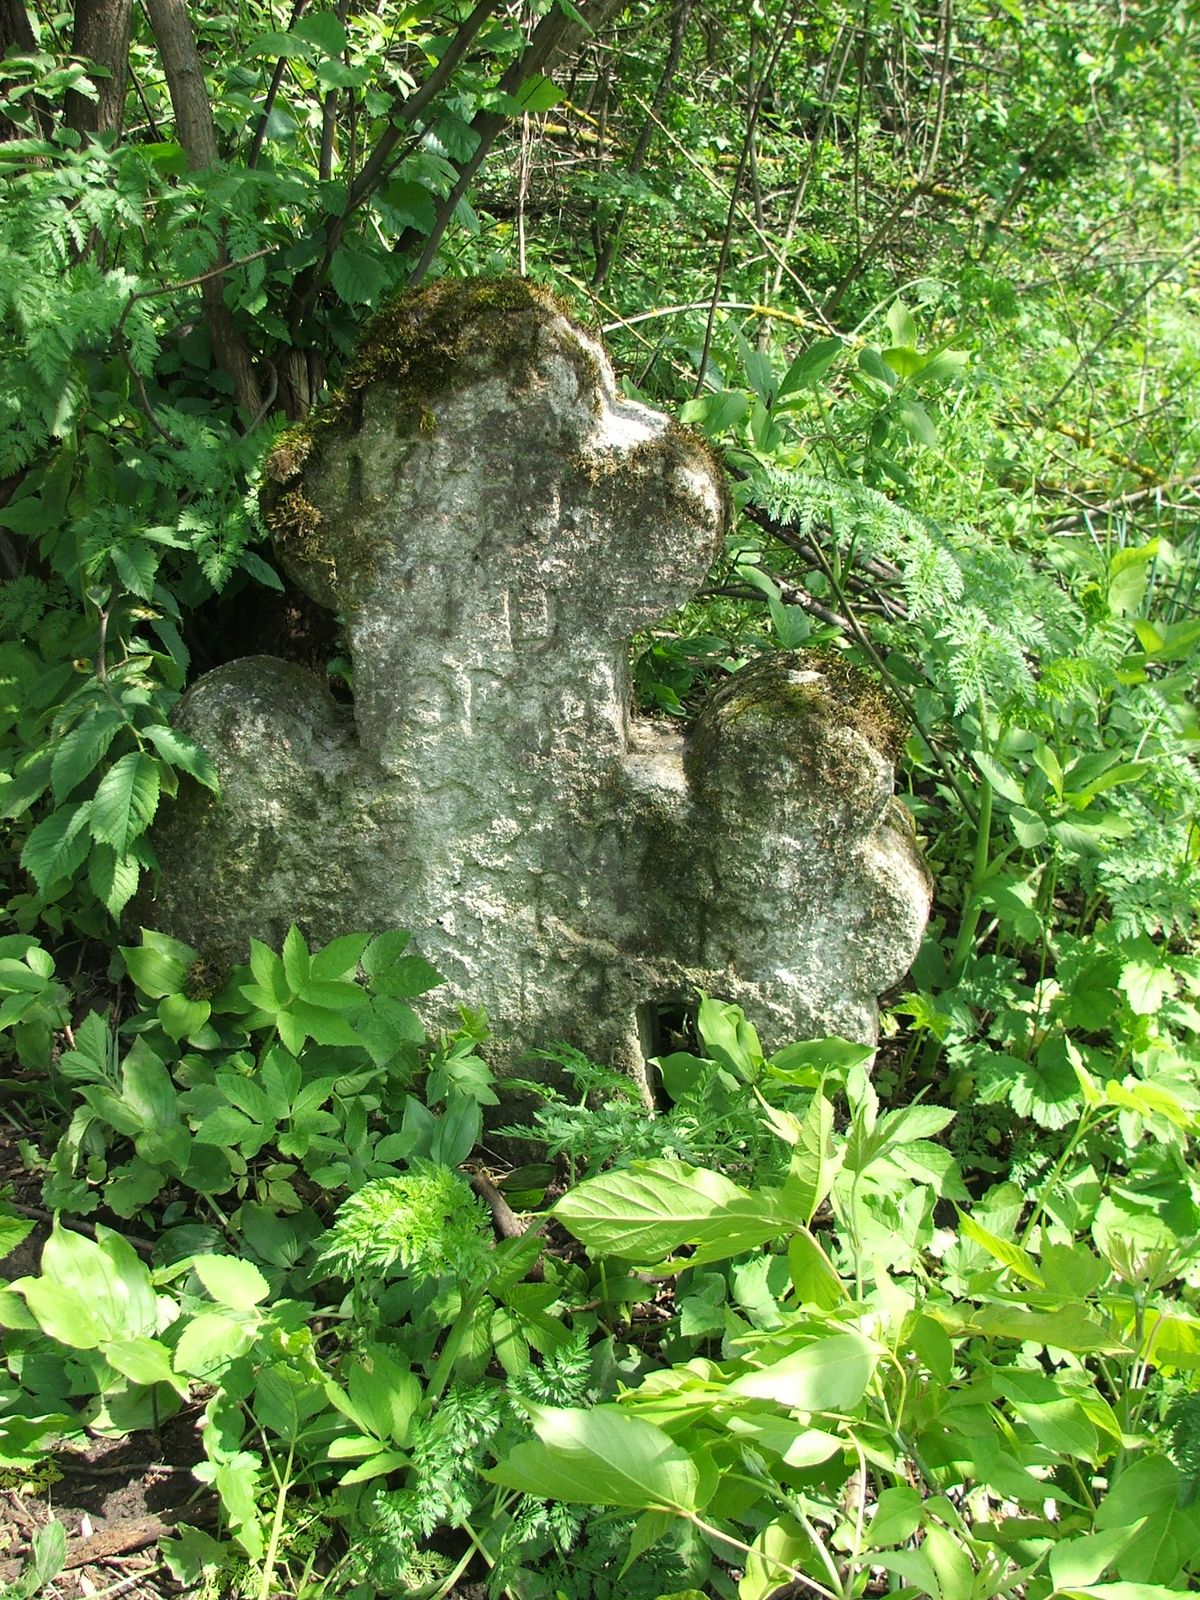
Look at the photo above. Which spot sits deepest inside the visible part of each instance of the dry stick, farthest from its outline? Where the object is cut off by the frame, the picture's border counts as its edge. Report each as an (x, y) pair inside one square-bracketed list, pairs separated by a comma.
[(260, 133), (1120, 319), (144, 1247), (777, 255), (829, 88), (1122, 502), (755, 104), (553, 34), (683, 12)]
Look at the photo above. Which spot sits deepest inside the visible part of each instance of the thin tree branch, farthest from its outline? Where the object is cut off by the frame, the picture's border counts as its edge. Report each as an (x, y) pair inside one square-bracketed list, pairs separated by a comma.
[(260, 132)]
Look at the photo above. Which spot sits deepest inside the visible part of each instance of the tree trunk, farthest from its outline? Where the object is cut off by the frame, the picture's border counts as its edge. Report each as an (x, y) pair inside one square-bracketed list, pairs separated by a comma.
[(101, 35), (196, 132), (17, 37)]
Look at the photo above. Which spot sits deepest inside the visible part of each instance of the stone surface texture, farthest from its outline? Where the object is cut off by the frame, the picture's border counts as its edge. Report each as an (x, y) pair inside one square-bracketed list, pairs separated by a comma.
[(493, 521)]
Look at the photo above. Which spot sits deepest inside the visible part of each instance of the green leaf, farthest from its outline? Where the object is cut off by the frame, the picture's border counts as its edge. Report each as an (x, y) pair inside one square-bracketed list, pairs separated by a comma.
[(182, 1018), (181, 750), (295, 960), (901, 326), (1002, 1250), (210, 1342), (145, 1361), (126, 800), (114, 879), (90, 1292), (645, 1211), (603, 1457), (285, 1398), (814, 1163), (147, 1089), (160, 965), (1085, 1559), (829, 1375), (236, 1285), (58, 846), (323, 30), (12, 1231), (1147, 1492), (339, 958), (810, 366), (136, 565), (358, 274), (79, 752)]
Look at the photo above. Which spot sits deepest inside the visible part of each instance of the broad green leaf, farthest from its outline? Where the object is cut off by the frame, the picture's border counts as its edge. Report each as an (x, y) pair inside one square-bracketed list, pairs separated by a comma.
[(322, 30), (830, 1374), (209, 1343), (182, 751), (1088, 1557), (236, 1285), (145, 1361), (126, 800), (1002, 1250), (1069, 1329), (953, 1566), (810, 366), (814, 1163), (1168, 1539), (147, 1088), (285, 1398), (896, 1517), (642, 1213), (79, 752), (901, 326), (339, 958), (181, 1017), (90, 1291), (114, 879), (12, 1231), (813, 1275), (296, 962), (603, 1457), (916, 421), (358, 274), (58, 846), (385, 1461), (159, 965)]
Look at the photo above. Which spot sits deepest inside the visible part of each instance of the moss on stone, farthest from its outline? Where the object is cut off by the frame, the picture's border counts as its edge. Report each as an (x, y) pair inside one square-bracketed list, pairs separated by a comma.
[(773, 690), (421, 344)]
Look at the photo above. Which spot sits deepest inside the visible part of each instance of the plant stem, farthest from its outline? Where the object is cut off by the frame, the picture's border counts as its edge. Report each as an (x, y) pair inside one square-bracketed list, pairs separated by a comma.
[(268, 1572)]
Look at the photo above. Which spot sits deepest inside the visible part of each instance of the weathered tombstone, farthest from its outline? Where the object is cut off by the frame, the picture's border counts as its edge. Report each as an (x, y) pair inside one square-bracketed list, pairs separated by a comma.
[(493, 521)]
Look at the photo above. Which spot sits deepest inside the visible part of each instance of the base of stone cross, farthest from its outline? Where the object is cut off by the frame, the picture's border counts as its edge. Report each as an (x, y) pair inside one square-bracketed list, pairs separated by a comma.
[(494, 521)]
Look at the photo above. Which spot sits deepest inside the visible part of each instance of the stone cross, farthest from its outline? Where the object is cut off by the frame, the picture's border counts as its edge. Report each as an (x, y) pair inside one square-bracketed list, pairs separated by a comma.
[(493, 521)]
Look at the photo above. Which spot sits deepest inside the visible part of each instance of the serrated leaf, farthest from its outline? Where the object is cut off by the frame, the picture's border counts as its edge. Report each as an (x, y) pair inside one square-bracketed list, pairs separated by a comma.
[(358, 275), (136, 566), (322, 29), (236, 1285), (126, 800), (58, 846), (114, 879), (295, 959), (79, 752), (182, 751)]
